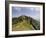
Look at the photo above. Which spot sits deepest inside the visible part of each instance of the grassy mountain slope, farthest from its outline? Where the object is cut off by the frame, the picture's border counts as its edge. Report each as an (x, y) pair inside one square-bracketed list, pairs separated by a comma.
[(24, 23)]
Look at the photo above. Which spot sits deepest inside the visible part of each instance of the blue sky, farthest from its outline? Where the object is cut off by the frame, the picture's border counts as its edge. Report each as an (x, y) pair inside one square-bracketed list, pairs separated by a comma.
[(33, 12)]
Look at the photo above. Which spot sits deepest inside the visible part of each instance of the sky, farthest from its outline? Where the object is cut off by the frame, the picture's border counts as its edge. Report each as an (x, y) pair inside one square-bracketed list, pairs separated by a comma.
[(33, 12)]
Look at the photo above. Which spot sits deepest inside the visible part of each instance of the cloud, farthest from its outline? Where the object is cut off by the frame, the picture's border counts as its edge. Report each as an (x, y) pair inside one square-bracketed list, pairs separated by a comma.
[(17, 8), (37, 9), (32, 9)]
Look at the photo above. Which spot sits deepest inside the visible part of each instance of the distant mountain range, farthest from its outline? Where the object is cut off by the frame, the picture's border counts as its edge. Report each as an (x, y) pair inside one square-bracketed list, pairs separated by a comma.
[(30, 20)]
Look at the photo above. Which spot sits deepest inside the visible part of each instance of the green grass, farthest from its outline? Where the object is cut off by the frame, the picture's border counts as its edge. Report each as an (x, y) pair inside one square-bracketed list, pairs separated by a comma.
[(21, 26)]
